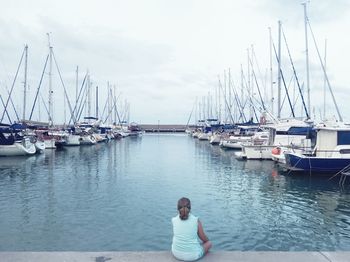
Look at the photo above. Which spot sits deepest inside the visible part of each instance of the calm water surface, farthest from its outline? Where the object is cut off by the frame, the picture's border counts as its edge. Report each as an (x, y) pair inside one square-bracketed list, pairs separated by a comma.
[(122, 195)]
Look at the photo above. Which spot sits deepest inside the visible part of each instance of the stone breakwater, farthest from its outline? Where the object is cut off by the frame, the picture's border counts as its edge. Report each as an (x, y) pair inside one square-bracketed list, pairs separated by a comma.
[(163, 128)]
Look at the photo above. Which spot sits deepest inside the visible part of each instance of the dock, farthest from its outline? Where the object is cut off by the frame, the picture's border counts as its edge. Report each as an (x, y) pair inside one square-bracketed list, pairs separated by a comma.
[(154, 128), (166, 256)]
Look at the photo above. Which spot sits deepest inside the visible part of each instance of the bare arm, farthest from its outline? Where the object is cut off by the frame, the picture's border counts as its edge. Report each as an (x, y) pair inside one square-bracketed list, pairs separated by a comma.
[(201, 233)]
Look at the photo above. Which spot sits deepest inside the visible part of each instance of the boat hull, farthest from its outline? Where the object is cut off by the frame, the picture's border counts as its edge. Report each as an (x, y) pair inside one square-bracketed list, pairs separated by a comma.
[(17, 149), (311, 164)]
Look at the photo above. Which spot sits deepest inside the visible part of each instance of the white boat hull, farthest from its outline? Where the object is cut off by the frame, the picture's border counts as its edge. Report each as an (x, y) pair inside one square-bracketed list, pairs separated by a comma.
[(72, 140), (87, 140), (18, 149), (231, 144), (257, 152), (39, 146), (50, 143)]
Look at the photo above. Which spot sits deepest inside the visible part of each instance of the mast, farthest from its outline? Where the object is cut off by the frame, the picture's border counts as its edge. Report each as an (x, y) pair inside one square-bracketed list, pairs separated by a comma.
[(271, 77), (279, 72), (225, 117), (219, 92), (50, 83), (96, 102), (115, 106), (89, 95), (307, 61), (229, 90), (324, 80), (25, 82), (248, 88)]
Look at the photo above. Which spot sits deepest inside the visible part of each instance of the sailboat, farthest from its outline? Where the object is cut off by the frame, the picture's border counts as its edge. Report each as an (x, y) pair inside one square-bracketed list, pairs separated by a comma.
[(13, 143)]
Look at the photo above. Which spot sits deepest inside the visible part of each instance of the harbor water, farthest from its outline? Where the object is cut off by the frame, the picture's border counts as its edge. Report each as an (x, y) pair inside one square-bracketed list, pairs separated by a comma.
[(121, 195)]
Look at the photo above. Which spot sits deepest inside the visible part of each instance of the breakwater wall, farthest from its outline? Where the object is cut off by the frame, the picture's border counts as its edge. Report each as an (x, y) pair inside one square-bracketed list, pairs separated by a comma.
[(149, 128)]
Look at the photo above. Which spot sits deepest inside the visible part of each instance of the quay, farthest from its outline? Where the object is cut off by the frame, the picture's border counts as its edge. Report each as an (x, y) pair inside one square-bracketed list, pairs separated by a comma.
[(165, 256), (154, 128)]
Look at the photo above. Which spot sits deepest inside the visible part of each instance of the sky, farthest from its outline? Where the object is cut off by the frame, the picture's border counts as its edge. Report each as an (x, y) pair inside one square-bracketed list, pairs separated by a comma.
[(162, 56)]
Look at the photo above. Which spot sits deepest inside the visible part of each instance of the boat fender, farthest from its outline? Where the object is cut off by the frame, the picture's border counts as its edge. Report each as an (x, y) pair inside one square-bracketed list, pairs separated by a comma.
[(276, 151)]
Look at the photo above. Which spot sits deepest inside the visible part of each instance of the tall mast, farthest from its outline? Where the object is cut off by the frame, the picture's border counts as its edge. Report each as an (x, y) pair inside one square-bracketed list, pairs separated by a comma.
[(225, 117), (307, 61), (50, 83), (89, 95), (271, 77), (279, 72), (115, 104), (25, 82), (248, 87), (97, 102), (229, 90), (324, 81), (219, 91)]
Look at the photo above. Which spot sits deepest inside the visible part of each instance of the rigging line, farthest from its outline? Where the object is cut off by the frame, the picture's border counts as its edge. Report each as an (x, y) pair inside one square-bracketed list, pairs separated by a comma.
[(325, 73), (13, 105), (47, 110), (82, 103), (116, 108), (38, 89), (238, 102), (111, 110), (64, 87), (13, 84), (250, 100), (257, 85), (284, 82), (7, 114), (76, 107), (257, 65), (104, 108), (344, 169), (226, 103), (189, 119), (285, 95), (295, 74)]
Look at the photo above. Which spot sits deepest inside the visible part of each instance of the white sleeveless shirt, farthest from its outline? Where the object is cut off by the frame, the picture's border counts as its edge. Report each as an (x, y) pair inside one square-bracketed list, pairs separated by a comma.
[(186, 243)]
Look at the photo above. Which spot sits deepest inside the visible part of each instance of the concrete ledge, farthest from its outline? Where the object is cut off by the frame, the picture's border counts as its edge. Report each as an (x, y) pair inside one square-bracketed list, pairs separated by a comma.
[(224, 256)]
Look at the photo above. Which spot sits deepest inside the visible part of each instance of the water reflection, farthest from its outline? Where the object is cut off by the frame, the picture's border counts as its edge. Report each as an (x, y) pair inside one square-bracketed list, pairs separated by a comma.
[(111, 195)]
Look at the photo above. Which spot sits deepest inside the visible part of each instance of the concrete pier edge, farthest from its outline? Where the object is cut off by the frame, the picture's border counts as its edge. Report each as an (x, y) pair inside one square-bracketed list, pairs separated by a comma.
[(154, 256)]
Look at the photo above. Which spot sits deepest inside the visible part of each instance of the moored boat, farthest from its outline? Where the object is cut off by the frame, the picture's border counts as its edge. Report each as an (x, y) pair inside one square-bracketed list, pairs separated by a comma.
[(330, 155)]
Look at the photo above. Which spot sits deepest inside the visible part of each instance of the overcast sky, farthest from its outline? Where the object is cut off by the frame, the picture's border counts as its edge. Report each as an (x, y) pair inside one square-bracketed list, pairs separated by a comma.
[(163, 54)]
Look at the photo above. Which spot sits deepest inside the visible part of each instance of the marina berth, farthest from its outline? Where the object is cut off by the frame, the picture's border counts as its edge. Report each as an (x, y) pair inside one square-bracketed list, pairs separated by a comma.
[(239, 135), (330, 155), (288, 134)]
